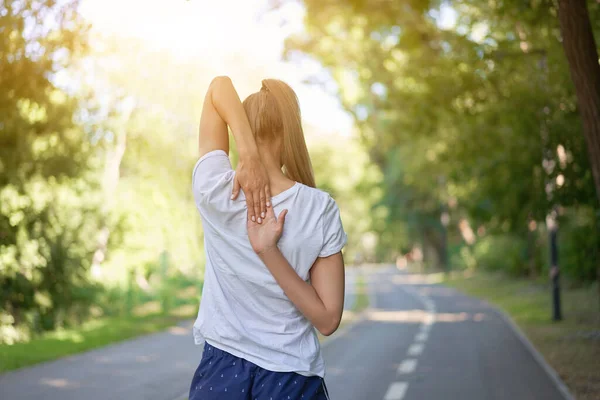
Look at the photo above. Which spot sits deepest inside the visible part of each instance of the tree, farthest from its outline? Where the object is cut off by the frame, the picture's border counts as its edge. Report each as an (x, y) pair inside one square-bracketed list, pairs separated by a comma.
[(485, 102), (48, 209), (582, 54)]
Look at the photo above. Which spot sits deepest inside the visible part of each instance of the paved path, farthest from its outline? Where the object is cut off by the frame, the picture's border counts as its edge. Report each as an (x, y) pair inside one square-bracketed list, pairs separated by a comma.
[(151, 367), (418, 341), (425, 341), (158, 366)]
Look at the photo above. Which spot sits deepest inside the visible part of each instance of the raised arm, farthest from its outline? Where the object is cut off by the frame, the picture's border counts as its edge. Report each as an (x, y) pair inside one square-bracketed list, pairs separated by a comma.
[(222, 107), (322, 301)]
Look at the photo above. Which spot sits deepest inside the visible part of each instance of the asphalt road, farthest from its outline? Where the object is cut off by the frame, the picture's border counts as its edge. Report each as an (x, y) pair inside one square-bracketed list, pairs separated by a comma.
[(426, 341), (418, 340), (158, 366)]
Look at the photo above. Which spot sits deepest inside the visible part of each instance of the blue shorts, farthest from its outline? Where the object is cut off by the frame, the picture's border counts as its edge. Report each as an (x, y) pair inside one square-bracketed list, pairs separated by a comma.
[(222, 376)]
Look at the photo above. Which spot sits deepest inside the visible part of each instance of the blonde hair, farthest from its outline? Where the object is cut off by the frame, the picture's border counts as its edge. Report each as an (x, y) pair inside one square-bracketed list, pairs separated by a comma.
[(274, 114)]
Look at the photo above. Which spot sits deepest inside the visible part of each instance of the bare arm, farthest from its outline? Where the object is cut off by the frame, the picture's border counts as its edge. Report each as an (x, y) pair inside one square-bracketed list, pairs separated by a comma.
[(222, 107), (322, 301)]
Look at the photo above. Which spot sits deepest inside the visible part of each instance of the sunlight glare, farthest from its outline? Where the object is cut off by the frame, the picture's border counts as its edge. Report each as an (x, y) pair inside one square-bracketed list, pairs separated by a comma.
[(235, 37)]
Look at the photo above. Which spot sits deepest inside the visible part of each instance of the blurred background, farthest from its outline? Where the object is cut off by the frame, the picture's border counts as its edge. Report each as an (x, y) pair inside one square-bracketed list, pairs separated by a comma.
[(448, 131)]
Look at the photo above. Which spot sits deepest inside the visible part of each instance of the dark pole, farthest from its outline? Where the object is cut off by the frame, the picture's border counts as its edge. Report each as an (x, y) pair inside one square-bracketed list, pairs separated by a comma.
[(554, 270)]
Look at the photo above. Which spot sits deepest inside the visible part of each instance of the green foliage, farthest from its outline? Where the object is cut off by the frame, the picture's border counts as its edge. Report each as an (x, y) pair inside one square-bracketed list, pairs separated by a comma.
[(579, 245), (465, 105), (152, 209), (501, 252), (48, 184), (476, 117), (354, 187)]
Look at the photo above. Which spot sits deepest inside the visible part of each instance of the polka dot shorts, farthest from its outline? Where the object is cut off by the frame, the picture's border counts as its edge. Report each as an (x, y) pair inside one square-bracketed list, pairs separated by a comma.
[(222, 376)]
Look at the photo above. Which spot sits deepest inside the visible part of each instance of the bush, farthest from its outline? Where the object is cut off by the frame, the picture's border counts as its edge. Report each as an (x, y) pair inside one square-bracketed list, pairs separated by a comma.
[(501, 252), (578, 242)]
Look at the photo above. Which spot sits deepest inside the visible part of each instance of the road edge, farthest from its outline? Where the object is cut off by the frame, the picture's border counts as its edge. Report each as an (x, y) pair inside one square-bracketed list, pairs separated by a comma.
[(537, 356)]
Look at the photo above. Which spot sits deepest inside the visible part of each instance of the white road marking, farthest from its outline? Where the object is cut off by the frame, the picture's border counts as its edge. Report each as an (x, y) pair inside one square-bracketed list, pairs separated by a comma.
[(407, 366), (415, 349), (429, 319), (396, 391), (421, 337)]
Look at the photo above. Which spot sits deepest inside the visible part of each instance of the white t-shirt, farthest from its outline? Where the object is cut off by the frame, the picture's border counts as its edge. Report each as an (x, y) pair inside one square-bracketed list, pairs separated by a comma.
[(243, 310)]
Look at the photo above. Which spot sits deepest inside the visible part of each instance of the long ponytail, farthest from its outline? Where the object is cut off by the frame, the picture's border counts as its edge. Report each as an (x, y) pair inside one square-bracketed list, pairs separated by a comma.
[(274, 111)]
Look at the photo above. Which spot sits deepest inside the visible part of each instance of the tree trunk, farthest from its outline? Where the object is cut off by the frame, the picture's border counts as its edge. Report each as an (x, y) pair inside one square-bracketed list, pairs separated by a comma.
[(582, 54)]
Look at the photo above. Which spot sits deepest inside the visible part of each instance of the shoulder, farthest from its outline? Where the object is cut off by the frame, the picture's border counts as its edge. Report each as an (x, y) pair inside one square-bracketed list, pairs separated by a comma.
[(212, 177), (320, 200), (327, 211), (315, 193)]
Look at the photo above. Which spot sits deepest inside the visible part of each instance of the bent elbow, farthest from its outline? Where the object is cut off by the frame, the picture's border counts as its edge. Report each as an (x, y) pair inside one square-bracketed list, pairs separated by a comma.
[(221, 79), (329, 328)]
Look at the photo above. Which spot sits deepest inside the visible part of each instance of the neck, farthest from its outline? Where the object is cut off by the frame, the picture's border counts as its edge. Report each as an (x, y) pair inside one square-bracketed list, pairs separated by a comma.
[(270, 162), (277, 178)]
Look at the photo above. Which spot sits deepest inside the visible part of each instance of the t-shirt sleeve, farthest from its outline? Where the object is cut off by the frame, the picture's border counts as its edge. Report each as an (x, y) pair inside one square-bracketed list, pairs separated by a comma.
[(212, 178), (334, 237)]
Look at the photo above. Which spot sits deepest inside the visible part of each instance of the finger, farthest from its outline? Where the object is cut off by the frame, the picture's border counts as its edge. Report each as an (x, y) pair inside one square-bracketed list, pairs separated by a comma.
[(256, 198), (250, 223), (281, 219), (263, 204), (250, 207), (268, 195), (236, 189), (270, 212)]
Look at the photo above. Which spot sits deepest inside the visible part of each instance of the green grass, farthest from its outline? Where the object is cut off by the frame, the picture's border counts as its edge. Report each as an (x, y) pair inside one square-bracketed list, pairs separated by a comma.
[(362, 296), (98, 332), (571, 347)]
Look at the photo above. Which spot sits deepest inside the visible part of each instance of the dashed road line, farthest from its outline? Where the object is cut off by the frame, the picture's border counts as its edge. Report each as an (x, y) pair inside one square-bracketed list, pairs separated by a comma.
[(415, 349), (421, 337), (407, 366), (396, 391), (429, 319)]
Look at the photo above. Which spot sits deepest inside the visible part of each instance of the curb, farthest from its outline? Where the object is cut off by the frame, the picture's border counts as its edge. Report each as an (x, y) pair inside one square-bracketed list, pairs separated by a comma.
[(538, 357)]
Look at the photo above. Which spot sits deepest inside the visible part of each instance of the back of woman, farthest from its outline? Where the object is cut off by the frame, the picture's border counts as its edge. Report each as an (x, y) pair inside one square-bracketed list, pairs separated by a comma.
[(267, 285)]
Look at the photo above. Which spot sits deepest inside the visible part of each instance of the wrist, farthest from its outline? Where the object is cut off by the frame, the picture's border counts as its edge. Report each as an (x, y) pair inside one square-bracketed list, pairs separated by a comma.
[(248, 152), (267, 251)]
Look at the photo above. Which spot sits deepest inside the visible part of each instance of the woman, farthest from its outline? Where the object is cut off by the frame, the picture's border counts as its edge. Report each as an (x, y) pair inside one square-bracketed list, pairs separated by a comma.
[(266, 286)]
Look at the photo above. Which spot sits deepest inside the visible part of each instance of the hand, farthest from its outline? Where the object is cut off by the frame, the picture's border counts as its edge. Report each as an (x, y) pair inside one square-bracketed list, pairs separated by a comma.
[(252, 177), (264, 237)]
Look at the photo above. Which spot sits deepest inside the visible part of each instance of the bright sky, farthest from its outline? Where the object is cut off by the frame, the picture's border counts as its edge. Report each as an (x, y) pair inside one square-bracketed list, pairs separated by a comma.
[(213, 31)]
